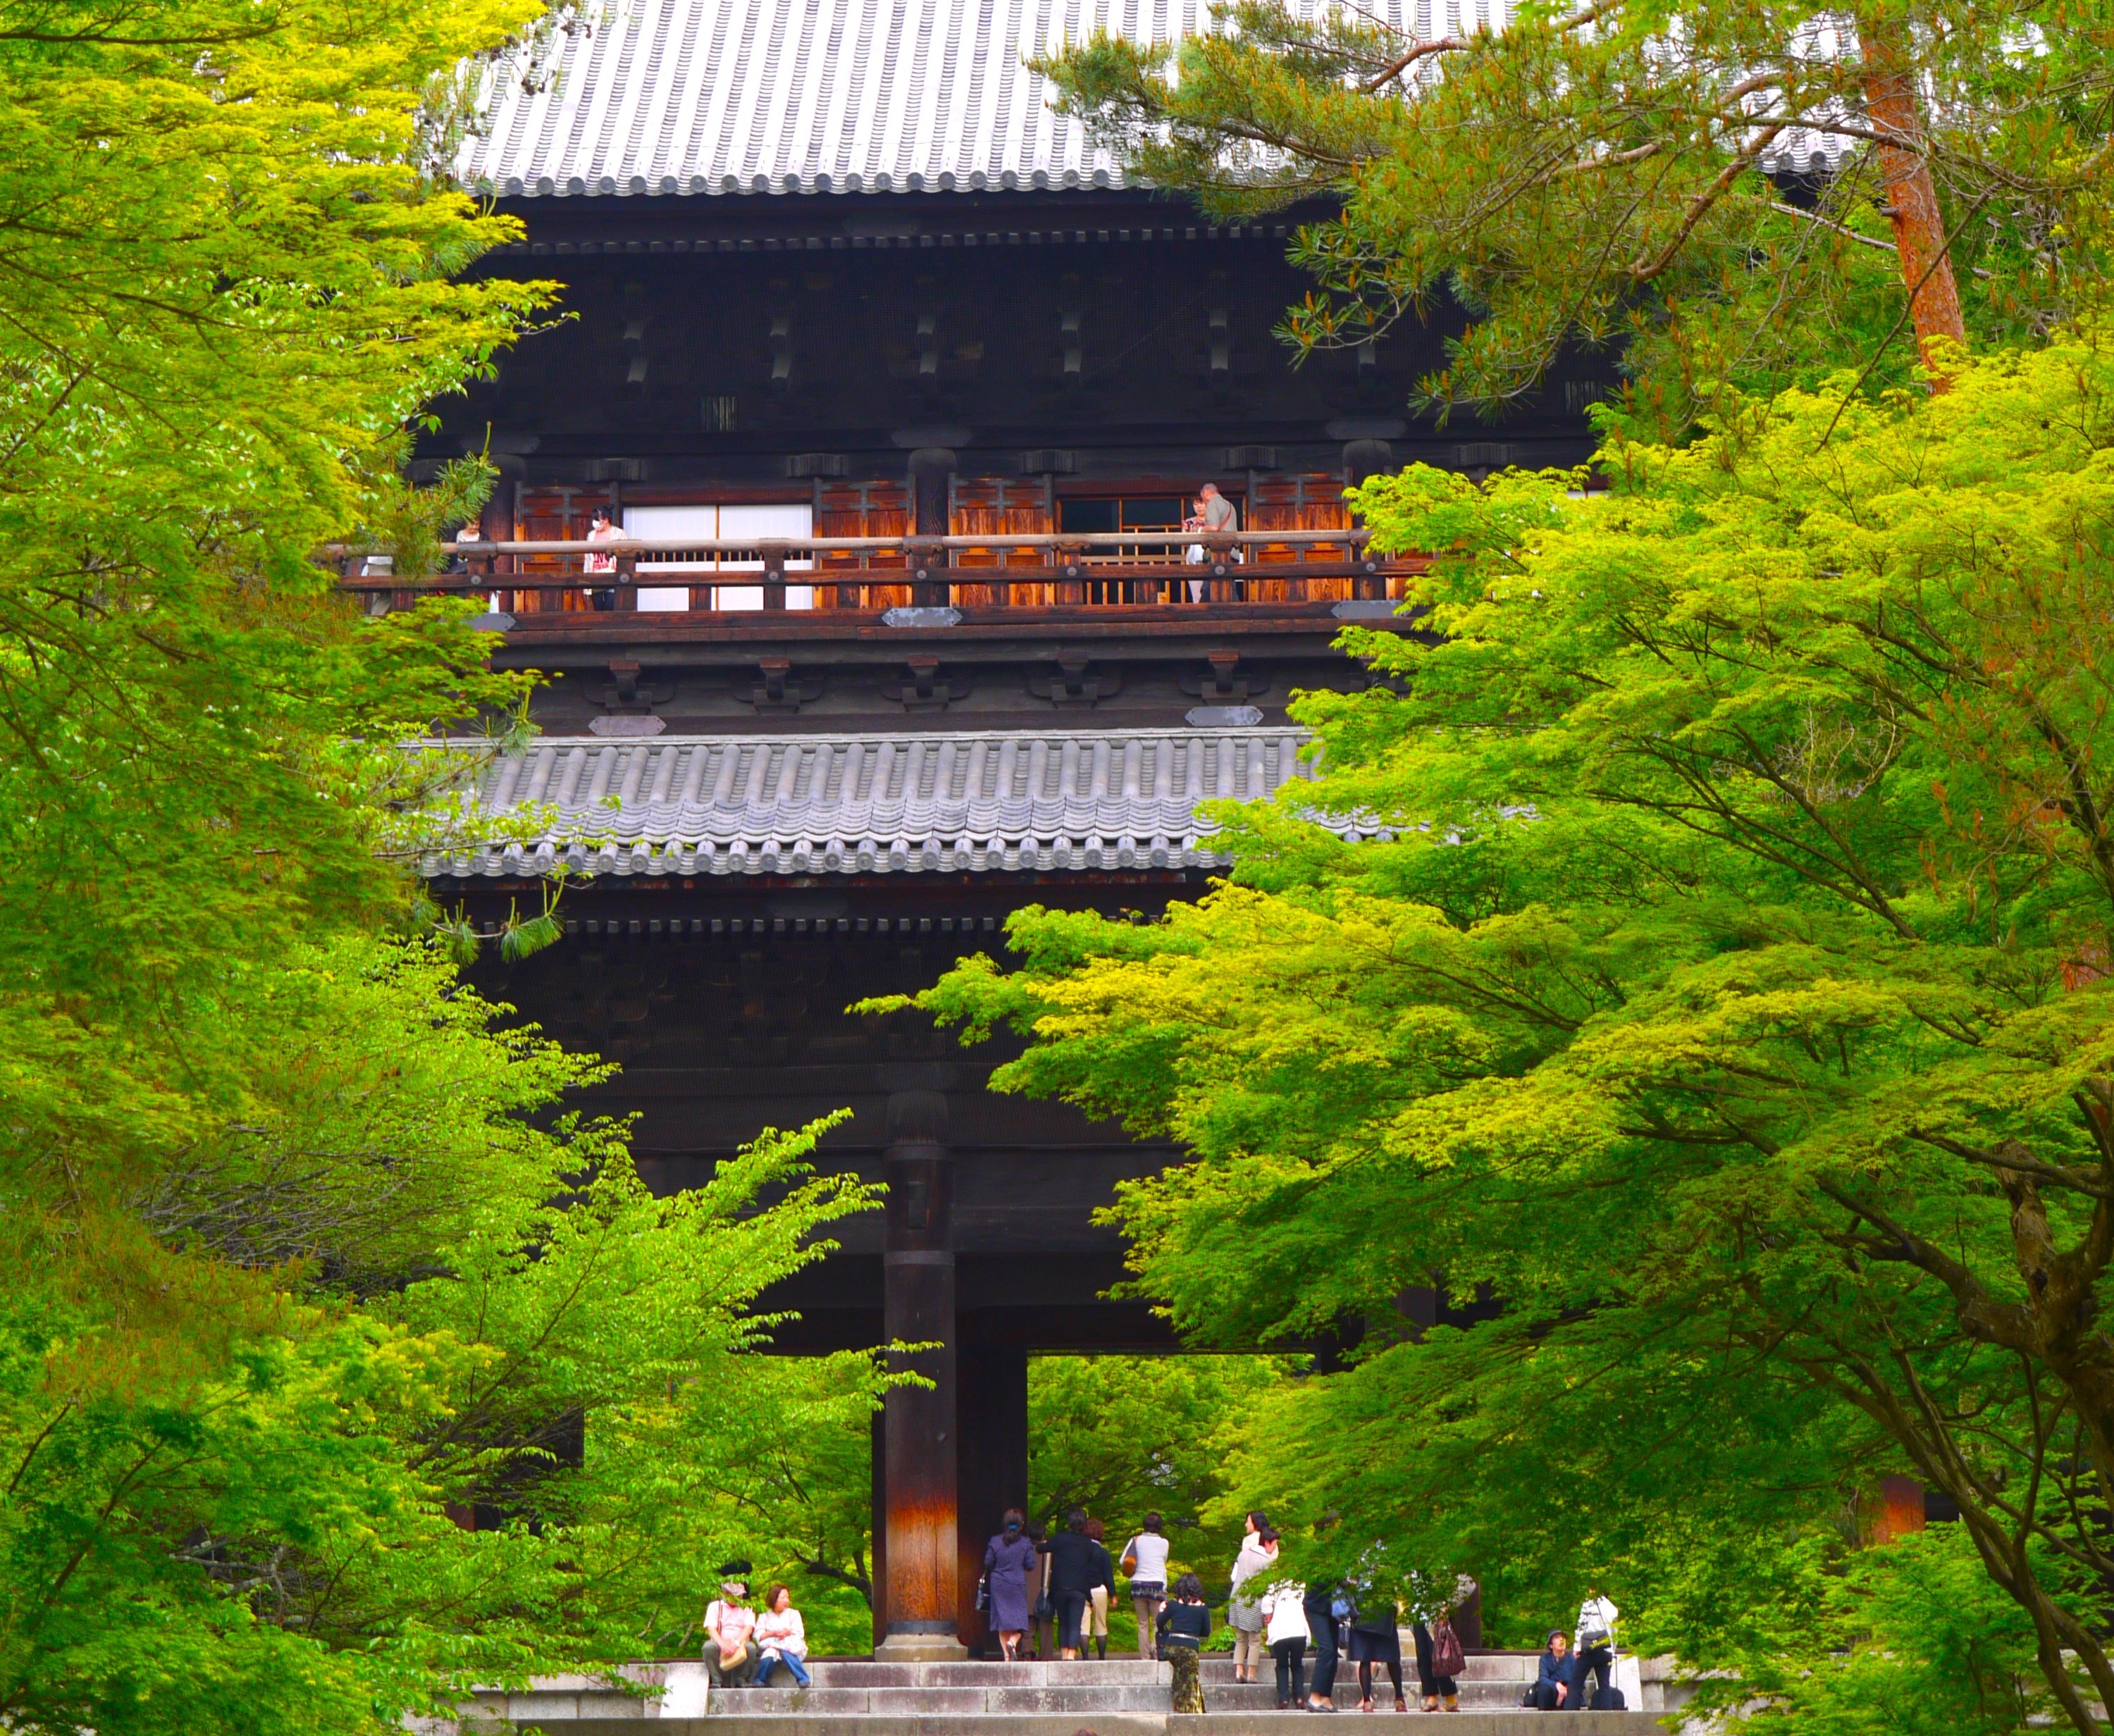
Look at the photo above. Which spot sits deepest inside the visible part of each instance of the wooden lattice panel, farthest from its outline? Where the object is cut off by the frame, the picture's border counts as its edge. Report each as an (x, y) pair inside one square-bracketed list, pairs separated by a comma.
[(871, 509), (1000, 506), (1309, 501)]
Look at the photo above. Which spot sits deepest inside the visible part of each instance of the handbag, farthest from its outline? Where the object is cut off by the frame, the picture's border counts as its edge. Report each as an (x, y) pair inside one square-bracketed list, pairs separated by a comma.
[(983, 1592), (1044, 1610), (1448, 1659)]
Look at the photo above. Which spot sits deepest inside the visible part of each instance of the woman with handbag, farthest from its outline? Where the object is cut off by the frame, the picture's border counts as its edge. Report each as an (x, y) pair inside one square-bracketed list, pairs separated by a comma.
[(1440, 1662), (1008, 1558), (1243, 1608), (729, 1649), (1439, 1658), (1145, 1560)]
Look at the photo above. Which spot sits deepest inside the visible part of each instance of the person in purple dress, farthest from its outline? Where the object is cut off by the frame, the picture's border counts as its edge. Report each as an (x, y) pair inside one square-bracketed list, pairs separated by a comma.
[(1008, 1558)]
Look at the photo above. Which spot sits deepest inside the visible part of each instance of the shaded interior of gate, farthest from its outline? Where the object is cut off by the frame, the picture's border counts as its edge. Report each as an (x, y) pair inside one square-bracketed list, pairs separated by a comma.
[(987, 1246)]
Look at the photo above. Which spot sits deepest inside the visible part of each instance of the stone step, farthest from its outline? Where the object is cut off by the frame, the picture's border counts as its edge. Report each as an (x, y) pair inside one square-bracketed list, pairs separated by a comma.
[(1261, 1696), (858, 1697), (1515, 1722), (1049, 1673), (572, 1700), (1482, 1666)]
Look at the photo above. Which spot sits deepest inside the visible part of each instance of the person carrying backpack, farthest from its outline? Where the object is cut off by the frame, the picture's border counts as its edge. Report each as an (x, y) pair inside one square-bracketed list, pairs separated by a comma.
[(1594, 1654), (1286, 1633)]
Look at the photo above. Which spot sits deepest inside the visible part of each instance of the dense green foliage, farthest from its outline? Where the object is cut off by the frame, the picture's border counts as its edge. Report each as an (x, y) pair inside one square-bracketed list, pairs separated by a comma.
[(1719, 981), (303, 1262), (1122, 1436), (1595, 175)]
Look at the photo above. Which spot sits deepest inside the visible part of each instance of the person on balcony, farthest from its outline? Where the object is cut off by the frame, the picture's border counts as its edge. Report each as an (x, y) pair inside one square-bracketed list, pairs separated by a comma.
[(602, 529), (1214, 515)]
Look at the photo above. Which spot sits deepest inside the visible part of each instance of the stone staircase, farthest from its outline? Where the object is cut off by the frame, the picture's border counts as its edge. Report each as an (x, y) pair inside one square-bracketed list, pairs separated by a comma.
[(1118, 1697)]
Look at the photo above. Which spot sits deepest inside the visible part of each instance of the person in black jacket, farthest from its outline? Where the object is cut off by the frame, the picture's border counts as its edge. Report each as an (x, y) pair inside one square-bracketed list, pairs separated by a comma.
[(1322, 1623), (1552, 1688), (1185, 1622), (1077, 1564)]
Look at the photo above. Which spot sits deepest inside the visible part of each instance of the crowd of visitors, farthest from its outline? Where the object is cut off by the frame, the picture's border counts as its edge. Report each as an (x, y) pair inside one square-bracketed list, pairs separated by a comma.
[(1066, 1580), (1037, 1582)]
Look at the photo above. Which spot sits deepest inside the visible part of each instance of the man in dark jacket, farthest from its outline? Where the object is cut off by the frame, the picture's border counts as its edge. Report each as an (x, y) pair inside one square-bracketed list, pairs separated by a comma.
[(1552, 1688), (1078, 1564), (1321, 1624)]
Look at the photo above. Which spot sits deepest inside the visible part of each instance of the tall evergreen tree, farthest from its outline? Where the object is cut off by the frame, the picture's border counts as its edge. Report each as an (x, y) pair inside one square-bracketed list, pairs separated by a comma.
[(1734, 193)]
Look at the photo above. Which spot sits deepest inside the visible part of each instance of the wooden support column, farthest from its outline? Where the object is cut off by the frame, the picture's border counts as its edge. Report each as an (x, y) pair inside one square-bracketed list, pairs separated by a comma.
[(920, 1594), (878, 1572), (992, 1409), (931, 495)]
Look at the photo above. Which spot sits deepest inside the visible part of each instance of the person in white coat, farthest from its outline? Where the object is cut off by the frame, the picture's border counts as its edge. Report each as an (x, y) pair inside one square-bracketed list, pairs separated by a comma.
[(1286, 1633), (1593, 1652), (781, 1637), (1244, 1608)]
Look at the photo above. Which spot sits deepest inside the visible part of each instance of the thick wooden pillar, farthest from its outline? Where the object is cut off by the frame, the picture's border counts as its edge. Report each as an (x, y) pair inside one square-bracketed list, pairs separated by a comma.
[(879, 1571), (931, 486), (920, 1596), (991, 1408)]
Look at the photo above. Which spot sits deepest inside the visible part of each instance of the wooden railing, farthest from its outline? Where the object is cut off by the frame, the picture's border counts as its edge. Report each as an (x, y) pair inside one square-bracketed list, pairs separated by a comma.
[(875, 573)]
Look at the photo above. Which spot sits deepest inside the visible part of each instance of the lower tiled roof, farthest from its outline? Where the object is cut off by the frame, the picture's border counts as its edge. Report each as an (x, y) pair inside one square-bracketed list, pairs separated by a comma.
[(985, 801)]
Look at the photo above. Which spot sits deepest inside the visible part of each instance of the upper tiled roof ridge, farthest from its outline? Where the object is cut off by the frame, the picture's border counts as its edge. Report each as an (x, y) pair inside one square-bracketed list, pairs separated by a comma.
[(869, 803), (645, 97), (811, 96)]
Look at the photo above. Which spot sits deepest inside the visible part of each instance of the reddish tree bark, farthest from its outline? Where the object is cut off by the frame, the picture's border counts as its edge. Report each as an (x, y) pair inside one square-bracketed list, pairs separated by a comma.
[(1892, 104)]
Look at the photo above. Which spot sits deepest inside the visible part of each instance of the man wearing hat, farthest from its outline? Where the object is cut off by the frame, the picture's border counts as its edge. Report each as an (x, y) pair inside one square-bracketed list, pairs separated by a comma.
[(729, 1624)]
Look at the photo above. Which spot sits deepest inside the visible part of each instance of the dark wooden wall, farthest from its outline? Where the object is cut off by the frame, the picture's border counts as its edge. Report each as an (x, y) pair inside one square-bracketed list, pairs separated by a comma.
[(727, 339)]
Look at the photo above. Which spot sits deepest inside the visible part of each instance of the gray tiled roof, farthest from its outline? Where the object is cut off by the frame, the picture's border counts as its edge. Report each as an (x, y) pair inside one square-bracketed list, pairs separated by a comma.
[(853, 96), (821, 96), (876, 804)]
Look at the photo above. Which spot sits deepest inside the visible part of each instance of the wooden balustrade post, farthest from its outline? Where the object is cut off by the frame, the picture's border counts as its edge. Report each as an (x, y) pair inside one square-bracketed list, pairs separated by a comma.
[(1371, 582), (928, 568), (1070, 561), (776, 551), (1220, 548), (627, 583)]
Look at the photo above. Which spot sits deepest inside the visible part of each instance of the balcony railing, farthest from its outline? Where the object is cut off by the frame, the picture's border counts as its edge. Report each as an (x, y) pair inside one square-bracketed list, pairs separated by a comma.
[(1169, 568)]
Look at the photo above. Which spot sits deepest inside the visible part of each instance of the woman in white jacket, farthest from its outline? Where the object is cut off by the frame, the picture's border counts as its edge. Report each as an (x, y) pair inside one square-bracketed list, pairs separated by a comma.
[(781, 1637), (1243, 1610), (1286, 1631)]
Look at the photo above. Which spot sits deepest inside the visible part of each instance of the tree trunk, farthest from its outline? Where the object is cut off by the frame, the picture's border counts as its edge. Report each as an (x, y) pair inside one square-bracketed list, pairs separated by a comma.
[(1891, 102)]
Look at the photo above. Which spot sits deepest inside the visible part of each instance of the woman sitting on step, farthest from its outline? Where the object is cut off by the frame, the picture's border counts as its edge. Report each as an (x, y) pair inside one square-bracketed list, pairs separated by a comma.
[(729, 1650), (1185, 1622), (781, 1637)]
